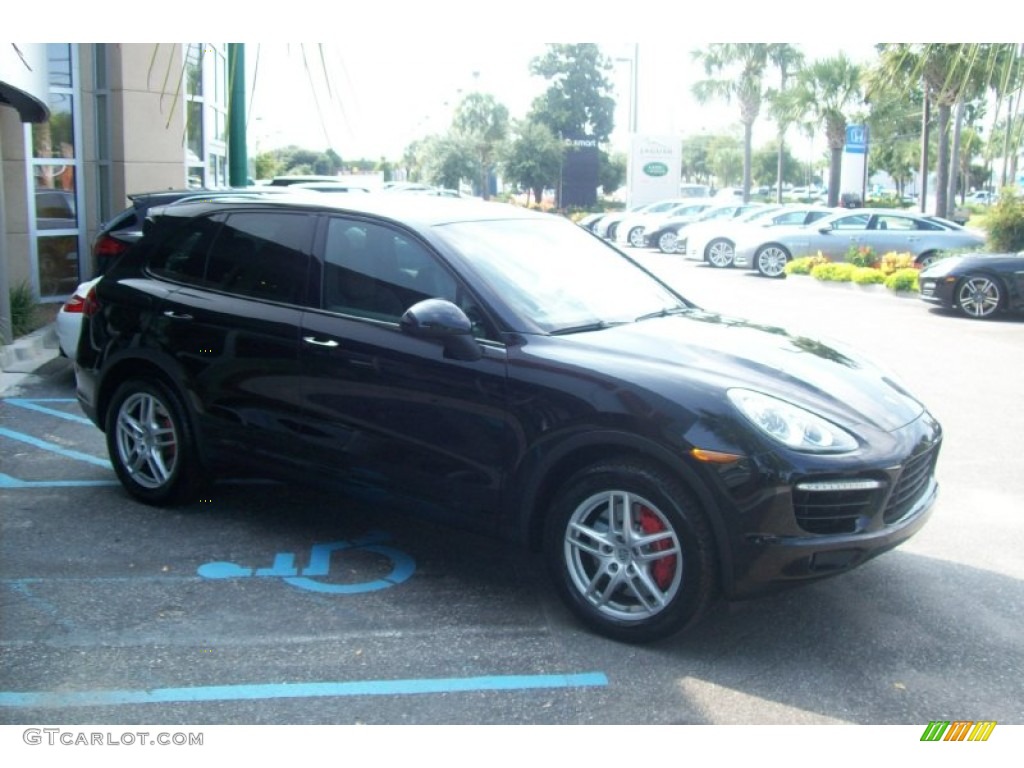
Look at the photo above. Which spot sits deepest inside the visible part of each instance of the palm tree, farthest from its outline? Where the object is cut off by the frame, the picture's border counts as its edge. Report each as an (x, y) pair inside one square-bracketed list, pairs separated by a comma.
[(751, 59), (826, 90), (788, 59)]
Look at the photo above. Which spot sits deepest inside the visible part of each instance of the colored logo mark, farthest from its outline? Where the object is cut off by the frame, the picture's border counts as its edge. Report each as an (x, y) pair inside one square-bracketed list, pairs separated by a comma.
[(284, 568), (958, 730)]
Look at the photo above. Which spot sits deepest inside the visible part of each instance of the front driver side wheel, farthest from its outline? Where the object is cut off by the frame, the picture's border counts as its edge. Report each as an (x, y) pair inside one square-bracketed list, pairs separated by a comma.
[(978, 297), (630, 552)]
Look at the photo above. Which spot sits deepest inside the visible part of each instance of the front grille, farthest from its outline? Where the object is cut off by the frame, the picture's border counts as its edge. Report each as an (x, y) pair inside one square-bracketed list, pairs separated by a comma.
[(913, 483), (833, 511)]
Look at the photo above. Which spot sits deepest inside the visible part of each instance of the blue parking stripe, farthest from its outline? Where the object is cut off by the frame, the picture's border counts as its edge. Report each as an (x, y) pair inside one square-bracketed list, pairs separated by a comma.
[(55, 700), (54, 448), (6, 481), (34, 405)]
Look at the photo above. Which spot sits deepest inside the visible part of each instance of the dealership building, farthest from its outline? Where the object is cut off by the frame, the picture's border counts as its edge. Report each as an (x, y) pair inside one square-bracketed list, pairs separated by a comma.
[(84, 125)]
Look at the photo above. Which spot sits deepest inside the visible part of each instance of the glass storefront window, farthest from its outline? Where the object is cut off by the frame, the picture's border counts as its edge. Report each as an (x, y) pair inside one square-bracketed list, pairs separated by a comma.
[(55, 200), (59, 56), (194, 69), (58, 264), (56, 137), (194, 123)]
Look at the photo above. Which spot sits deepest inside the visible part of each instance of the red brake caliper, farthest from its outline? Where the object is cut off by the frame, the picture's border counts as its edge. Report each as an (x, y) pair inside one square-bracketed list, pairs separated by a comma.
[(665, 568)]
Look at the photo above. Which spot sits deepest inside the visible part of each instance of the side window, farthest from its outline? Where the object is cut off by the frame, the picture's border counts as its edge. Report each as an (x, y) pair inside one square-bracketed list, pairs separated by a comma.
[(898, 223), (181, 255), (791, 217), (264, 255), (858, 221), (375, 271)]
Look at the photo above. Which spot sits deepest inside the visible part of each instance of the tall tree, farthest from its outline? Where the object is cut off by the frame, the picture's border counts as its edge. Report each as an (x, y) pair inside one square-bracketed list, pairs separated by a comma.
[(483, 124), (578, 101), (737, 71), (787, 59), (827, 90)]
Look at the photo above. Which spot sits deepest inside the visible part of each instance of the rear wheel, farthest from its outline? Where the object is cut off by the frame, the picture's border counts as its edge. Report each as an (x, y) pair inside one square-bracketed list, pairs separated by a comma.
[(720, 253), (927, 258), (151, 445), (770, 260), (630, 552), (636, 237), (978, 297)]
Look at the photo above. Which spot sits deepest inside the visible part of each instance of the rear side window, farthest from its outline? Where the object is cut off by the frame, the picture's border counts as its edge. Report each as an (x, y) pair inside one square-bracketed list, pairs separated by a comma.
[(181, 255)]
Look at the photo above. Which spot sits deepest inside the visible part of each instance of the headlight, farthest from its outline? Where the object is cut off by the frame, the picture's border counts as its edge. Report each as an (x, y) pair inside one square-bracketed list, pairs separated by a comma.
[(792, 426)]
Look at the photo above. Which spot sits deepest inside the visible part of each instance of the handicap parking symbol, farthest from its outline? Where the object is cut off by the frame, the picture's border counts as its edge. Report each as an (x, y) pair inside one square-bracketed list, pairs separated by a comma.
[(284, 568)]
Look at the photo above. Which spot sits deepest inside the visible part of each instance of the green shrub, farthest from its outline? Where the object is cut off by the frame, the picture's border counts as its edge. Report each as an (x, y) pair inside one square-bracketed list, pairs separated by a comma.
[(903, 281), (861, 256), (804, 264), (840, 272), (1005, 223), (24, 310), (868, 276)]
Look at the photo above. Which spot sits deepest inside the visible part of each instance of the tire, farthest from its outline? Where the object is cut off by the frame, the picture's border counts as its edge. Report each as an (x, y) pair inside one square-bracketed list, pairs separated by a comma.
[(668, 242), (615, 582), (151, 444), (770, 260), (926, 259), (720, 253), (612, 228), (978, 297), (636, 237)]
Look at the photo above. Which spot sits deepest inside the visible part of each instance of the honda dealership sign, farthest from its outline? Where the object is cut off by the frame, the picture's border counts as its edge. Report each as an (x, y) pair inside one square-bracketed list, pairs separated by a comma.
[(654, 168), (854, 167)]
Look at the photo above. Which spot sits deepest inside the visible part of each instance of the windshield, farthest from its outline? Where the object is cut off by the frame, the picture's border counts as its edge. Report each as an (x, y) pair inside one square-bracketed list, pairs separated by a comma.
[(557, 277)]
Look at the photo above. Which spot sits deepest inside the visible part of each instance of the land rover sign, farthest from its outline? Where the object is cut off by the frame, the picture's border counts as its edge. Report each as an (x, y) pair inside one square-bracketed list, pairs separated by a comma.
[(654, 170)]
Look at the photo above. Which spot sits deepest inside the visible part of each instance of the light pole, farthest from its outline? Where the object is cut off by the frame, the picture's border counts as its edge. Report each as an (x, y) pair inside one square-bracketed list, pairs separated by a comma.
[(632, 61)]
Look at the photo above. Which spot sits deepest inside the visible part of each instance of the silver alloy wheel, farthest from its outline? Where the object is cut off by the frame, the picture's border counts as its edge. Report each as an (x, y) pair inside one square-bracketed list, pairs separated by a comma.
[(978, 297), (668, 242), (623, 556), (147, 441), (771, 260), (720, 253), (636, 237)]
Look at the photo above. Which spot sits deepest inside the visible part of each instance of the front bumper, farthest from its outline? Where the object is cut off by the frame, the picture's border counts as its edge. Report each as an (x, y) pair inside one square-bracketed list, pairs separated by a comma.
[(817, 525)]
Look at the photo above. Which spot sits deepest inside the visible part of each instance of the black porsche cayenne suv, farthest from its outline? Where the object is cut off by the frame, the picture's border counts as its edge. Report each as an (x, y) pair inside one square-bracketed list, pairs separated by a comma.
[(506, 371)]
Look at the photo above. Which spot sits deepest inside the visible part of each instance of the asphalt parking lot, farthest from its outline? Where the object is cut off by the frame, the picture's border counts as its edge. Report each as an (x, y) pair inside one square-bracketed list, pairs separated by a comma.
[(279, 604)]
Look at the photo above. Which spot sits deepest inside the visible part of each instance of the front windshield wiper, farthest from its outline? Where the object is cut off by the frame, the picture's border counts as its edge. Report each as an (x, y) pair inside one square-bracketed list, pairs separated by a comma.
[(597, 325), (664, 313)]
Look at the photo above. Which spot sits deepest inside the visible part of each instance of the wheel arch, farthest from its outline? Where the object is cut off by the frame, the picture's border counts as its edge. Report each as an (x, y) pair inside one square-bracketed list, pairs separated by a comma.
[(576, 453)]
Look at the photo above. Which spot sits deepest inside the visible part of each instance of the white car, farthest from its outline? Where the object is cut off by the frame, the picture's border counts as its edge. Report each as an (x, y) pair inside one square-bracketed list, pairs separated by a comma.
[(714, 241), (631, 229), (69, 319)]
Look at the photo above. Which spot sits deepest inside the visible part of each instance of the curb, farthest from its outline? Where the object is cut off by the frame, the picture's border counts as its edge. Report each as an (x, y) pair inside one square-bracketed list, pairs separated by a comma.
[(26, 355)]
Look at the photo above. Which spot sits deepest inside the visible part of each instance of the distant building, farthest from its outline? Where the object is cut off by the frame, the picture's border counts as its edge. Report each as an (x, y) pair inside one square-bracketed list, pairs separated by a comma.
[(83, 125)]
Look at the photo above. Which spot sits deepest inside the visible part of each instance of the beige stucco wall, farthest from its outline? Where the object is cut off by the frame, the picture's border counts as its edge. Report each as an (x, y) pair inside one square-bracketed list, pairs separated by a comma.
[(12, 155)]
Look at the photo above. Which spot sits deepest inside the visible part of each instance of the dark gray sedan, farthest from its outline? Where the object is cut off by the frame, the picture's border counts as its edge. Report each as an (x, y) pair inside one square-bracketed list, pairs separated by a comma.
[(881, 229)]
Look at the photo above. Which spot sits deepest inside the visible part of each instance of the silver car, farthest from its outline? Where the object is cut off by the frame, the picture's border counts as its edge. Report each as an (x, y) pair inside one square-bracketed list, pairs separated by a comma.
[(881, 229)]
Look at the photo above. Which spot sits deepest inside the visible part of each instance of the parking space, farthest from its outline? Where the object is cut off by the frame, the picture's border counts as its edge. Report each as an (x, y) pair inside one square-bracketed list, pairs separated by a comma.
[(267, 603)]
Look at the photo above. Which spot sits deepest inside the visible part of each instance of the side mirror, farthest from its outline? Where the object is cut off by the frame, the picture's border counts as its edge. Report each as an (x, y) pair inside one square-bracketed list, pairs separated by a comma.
[(443, 321)]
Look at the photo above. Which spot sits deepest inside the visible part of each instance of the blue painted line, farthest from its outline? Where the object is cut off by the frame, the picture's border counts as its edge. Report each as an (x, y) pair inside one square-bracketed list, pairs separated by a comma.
[(56, 700), (33, 405), (8, 482), (54, 448)]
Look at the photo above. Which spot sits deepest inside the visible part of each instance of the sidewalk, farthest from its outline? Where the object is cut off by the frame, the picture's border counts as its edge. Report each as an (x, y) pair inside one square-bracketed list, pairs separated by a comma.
[(21, 359)]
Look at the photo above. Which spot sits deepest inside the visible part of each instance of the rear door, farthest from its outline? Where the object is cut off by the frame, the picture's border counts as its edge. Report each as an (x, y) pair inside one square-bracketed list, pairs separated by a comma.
[(233, 328)]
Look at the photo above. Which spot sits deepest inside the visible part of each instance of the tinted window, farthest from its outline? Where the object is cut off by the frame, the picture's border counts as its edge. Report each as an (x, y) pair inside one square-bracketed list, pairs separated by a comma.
[(264, 255), (375, 271), (181, 255), (858, 221), (896, 223)]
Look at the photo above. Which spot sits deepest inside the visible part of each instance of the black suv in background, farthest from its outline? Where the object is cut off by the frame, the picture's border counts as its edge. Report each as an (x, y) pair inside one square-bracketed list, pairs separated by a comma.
[(503, 370)]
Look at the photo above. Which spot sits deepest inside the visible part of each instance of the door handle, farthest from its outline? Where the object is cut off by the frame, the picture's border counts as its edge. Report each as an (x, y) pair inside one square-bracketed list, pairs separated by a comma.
[(177, 316), (330, 343)]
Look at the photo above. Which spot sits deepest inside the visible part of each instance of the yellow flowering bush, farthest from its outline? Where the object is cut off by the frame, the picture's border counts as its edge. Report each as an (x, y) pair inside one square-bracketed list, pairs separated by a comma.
[(805, 264), (893, 261)]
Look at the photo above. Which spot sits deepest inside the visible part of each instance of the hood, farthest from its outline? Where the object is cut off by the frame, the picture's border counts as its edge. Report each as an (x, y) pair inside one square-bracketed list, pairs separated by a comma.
[(719, 351)]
